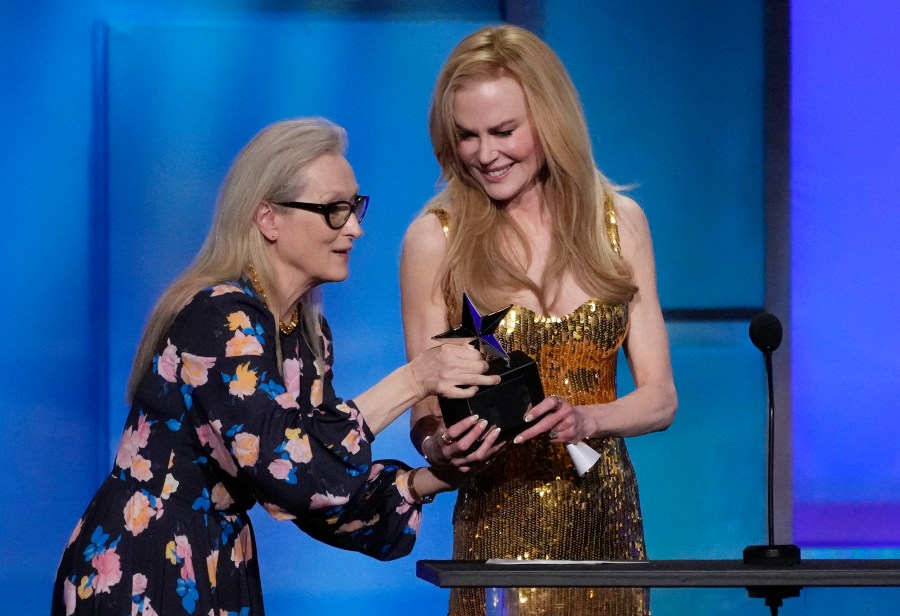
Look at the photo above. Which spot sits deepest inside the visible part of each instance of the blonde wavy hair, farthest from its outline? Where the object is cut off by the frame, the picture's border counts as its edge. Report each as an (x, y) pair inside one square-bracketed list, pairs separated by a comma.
[(269, 168), (575, 190)]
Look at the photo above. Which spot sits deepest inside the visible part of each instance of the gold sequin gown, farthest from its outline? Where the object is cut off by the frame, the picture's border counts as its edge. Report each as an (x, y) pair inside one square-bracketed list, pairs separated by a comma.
[(530, 504)]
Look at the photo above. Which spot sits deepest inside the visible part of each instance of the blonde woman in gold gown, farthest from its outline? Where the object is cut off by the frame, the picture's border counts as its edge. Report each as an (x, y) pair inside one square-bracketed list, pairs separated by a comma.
[(526, 218)]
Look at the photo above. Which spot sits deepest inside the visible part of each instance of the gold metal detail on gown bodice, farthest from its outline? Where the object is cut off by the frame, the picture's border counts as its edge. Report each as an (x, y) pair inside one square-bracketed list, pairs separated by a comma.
[(529, 503)]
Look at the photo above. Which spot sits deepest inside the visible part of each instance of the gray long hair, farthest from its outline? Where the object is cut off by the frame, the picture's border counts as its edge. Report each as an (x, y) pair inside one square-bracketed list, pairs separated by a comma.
[(269, 168)]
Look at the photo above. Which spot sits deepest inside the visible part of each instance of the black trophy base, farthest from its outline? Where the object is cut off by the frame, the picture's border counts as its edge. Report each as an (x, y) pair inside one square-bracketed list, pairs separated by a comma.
[(503, 405)]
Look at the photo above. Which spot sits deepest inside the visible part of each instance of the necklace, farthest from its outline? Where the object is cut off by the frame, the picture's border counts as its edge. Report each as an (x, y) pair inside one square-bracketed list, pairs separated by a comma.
[(284, 328)]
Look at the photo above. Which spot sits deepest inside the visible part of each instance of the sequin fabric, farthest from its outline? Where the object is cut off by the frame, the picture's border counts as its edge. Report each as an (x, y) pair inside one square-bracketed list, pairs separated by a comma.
[(530, 504)]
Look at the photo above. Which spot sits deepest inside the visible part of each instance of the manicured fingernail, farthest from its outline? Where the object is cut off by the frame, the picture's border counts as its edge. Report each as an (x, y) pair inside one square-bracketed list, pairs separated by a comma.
[(528, 417), (483, 424), (517, 440), (473, 418)]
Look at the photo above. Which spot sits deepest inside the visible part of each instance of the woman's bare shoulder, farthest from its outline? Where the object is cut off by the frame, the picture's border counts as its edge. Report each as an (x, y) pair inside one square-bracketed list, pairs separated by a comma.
[(425, 235)]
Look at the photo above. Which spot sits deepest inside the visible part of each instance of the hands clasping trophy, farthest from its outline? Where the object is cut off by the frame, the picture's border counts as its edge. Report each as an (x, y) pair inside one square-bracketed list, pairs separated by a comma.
[(505, 404)]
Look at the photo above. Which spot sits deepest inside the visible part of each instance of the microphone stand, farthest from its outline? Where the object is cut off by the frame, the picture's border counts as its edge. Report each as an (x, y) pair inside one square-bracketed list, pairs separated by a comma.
[(771, 555)]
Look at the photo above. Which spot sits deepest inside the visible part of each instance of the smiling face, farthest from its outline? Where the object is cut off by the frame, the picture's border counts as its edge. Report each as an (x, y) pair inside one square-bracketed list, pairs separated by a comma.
[(308, 251), (497, 142)]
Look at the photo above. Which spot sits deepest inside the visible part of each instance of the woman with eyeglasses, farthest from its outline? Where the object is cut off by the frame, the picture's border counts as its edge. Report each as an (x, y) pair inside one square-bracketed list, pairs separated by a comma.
[(232, 404), (526, 219)]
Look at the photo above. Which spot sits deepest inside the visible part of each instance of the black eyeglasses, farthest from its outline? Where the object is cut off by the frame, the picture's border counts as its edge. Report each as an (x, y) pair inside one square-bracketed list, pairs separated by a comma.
[(336, 213)]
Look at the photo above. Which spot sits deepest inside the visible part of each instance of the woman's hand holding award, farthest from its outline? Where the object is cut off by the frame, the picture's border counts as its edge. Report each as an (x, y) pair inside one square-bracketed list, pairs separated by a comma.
[(505, 404)]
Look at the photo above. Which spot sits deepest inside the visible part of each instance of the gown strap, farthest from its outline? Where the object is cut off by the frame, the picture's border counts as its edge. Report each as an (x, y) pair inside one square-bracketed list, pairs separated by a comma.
[(444, 217), (612, 226)]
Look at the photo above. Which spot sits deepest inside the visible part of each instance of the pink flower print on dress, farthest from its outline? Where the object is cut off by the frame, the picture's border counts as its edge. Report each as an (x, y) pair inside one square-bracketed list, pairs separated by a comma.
[(137, 513), (281, 469), (195, 369), (355, 525), (322, 367), (109, 570), (127, 450), (292, 369), (75, 532), (277, 512), (138, 584), (167, 366), (212, 565), (402, 483), (324, 340), (132, 441), (242, 345), (140, 605), (316, 392), (356, 416), (222, 289), (211, 435), (245, 448), (169, 487), (183, 551), (404, 505), (146, 610), (220, 497), (415, 521), (287, 401), (69, 597), (142, 433), (140, 468), (351, 441), (324, 501), (297, 446), (243, 547)]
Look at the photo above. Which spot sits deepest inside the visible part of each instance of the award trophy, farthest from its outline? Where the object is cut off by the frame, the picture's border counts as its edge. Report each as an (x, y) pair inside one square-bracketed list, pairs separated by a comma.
[(503, 405)]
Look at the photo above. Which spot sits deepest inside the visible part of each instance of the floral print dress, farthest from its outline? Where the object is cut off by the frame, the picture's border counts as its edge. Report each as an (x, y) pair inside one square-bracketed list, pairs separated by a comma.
[(215, 426)]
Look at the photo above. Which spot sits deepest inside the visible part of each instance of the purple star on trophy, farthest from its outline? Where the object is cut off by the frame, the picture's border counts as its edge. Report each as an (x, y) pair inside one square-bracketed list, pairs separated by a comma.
[(481, 328)]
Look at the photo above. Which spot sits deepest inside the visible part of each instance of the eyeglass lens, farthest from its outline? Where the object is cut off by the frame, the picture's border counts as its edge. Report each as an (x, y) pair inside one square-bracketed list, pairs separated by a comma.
[(340, 212)]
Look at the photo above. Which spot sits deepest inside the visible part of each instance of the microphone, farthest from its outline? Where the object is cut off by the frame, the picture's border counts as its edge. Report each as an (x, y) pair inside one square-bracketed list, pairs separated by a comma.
[(766, 334)]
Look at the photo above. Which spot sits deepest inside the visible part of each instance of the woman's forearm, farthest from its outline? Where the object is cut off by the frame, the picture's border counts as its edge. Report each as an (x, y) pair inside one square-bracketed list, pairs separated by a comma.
[(423, 484), (389, 398), (455, 371), (647, 409)]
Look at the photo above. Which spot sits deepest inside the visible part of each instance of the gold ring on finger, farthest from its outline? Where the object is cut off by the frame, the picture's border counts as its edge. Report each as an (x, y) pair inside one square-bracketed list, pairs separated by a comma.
[(445, 438)]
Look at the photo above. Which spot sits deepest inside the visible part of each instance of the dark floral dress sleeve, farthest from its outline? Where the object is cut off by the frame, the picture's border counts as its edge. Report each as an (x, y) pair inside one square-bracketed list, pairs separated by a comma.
[(283, 435)]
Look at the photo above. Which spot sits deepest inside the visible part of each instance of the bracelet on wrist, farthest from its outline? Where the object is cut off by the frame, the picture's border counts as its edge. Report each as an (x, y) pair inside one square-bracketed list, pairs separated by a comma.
[(422, 448), (411, 486)]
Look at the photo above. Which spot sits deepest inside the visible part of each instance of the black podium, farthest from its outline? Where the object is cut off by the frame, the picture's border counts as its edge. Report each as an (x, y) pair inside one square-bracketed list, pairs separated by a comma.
[(657, 574)]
